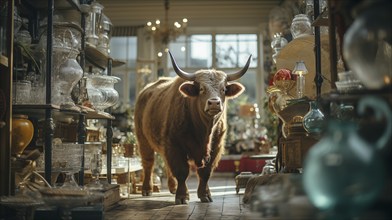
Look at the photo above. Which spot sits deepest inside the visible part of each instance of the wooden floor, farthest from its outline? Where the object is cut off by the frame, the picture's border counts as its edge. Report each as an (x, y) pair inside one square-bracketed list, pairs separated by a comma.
[(226, 205)]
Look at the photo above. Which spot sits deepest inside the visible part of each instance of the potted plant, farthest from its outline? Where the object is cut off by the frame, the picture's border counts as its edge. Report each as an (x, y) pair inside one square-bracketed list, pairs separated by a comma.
[(130, 145)]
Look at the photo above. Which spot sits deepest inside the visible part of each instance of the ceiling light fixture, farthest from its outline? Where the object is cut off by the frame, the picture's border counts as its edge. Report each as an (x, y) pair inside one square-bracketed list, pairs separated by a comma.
[(163, 32)]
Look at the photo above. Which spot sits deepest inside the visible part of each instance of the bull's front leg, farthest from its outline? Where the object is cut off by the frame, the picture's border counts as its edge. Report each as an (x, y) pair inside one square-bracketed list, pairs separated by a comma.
[(203, 191), (180, 170)]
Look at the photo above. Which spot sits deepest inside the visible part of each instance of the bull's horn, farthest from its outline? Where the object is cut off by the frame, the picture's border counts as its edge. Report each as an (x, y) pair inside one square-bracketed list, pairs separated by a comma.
[(237, 75), (180, 72)]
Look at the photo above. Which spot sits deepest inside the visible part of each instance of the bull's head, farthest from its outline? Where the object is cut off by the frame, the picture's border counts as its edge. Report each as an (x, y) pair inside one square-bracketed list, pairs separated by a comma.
[(212, 87)]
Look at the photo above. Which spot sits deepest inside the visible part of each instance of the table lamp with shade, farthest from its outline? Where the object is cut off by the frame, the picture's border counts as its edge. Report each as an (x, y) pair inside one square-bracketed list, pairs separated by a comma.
[(300, 70)]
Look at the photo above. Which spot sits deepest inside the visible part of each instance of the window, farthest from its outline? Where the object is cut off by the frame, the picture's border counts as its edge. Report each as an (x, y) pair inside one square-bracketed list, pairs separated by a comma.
[(124, 48), (231, 52), (195, 50), (232, 49)]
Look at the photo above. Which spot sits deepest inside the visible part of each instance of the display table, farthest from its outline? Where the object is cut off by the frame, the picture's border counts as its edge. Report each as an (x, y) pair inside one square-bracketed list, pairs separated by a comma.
[(243, 163)]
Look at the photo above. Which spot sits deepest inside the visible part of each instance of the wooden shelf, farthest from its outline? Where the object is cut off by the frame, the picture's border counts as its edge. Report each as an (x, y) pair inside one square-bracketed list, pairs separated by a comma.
[(94, 114), (39, 110), (97, 58), (99, 115), (4, 60)]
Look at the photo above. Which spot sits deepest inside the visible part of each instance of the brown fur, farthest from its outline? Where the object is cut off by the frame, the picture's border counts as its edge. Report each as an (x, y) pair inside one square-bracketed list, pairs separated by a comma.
[(177, 127)]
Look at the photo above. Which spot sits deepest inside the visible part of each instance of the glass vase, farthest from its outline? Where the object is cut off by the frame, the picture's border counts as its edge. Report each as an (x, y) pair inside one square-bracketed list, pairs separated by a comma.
[(343, 173), (367, 45), (313, 121)]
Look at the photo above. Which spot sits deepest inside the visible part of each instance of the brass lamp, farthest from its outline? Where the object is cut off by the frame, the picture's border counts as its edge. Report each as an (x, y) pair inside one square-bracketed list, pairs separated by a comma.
[(300, 70)]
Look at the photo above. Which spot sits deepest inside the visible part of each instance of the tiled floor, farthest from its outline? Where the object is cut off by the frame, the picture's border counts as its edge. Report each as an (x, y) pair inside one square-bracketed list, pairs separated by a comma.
[(226, 205)]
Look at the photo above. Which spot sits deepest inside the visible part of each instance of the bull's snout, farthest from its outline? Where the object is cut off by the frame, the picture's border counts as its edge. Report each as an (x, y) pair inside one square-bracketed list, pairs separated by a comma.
[(214, 106)]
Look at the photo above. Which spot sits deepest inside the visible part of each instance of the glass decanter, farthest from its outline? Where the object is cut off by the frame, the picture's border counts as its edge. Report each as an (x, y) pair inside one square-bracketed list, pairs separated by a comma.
[(313, 121)]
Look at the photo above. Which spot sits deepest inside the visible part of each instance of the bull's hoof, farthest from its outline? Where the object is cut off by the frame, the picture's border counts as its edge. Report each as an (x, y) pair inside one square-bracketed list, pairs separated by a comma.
[(206, 199), (183, 201), (146, 192), (173, 191)]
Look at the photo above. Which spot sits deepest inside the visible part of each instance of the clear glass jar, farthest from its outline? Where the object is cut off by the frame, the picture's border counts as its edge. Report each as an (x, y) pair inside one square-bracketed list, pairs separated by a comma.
[(106, 85), (301, 26), (94, 14)]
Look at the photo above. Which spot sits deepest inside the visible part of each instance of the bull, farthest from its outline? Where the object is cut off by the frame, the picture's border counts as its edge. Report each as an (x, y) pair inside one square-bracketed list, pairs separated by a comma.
[(184, 120)]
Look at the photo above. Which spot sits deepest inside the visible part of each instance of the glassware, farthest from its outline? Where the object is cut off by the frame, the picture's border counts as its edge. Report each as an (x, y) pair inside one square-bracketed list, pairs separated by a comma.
[(94, 94), (94, 11), (106, 85), (70, 72), (343, 174), (301, 26), (67, 157), (66, 71), (105, 33), (367, 45), (65, 34), (277, 43), (96, 168), (313, 121), (21, 92)]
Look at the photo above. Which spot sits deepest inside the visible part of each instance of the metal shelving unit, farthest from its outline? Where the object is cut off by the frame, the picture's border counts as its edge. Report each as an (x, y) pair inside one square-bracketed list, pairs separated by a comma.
[(49, 111)]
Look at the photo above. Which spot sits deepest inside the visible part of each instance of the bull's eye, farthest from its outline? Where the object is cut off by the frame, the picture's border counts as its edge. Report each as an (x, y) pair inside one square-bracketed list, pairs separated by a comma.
[(201, 90), (223, 90)]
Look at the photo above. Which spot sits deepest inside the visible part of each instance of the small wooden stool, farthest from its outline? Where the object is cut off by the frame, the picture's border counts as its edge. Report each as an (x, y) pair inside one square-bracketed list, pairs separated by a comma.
[(242, 179)]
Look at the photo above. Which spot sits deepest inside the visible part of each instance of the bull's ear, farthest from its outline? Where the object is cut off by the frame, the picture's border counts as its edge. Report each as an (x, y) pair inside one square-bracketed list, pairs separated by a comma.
[(234, 89), (189, 89)]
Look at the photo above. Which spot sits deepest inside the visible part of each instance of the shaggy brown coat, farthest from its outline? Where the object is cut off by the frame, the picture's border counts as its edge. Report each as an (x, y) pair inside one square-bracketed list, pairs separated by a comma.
[(171, 118)]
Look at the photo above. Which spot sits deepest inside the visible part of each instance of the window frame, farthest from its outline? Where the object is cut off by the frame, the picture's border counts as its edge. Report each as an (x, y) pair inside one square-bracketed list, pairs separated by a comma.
[(255, 69)]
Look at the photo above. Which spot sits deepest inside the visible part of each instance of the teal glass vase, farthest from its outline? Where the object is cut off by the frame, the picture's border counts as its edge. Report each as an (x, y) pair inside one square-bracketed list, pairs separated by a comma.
[(313, 121)]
